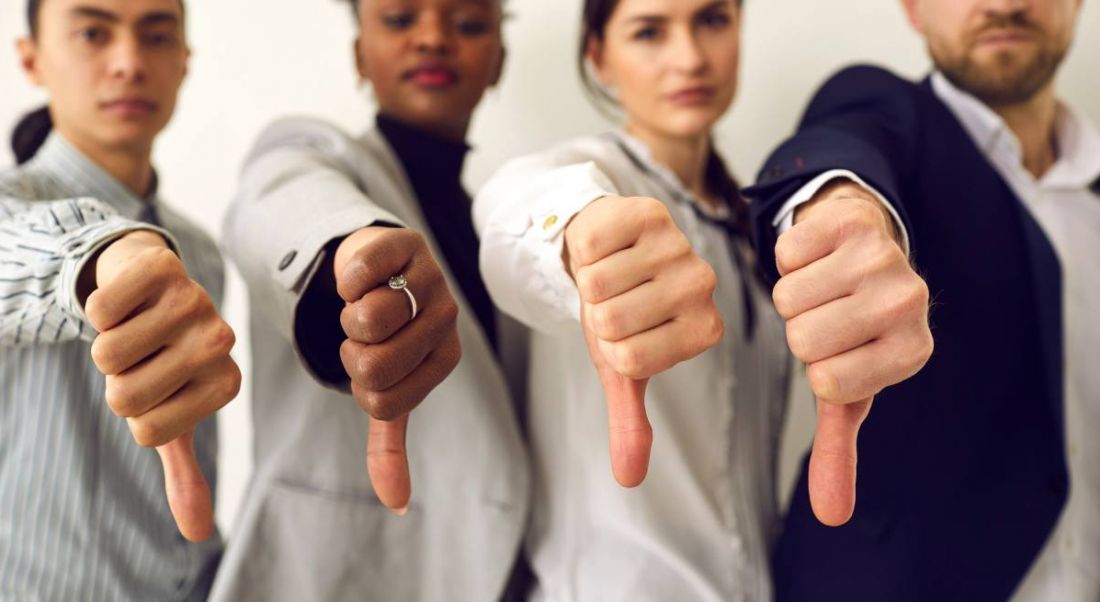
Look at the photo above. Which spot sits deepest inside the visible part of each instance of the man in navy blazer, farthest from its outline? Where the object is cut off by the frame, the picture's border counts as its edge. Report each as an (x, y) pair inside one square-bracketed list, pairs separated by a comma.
[(965, 470)]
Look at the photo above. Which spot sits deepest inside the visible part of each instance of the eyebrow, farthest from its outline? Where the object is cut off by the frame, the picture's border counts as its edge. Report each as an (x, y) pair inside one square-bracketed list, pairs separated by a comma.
[(657, 19), (151, 18)]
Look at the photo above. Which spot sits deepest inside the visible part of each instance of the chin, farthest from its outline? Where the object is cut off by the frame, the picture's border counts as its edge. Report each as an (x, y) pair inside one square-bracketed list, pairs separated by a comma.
[(690, 123)]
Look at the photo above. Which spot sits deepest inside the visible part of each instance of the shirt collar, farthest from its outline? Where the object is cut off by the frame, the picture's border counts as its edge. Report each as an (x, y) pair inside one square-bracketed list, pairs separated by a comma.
[(83, 177), (640, 154), (1078, 163)]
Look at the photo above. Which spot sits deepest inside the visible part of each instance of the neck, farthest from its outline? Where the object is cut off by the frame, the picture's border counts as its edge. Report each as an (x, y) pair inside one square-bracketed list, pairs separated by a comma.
[(686, 157), (132, 166), (1034, 122)]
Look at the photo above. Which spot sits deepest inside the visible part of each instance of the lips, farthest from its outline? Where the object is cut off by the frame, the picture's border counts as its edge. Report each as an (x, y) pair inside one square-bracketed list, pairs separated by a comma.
[(697, 95), (432, 76), (130, 107)]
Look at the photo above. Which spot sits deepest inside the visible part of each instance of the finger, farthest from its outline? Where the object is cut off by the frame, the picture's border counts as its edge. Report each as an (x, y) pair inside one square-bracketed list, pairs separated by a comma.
[(388, 464), (834, 222), (644, 308), (625, 270), (609, 225), (830, 278), (141, 388), (834, 328), (188, 494), (403, 397), (372, 265), (630, 436), (655, 350), (123, 347), (381, 312), (114, 302), (832, 478), (197, 400), (866, 370), (381, 366)]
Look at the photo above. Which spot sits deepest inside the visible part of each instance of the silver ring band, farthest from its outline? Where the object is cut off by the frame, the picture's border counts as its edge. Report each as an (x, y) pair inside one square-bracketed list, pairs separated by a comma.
[(400, 283)]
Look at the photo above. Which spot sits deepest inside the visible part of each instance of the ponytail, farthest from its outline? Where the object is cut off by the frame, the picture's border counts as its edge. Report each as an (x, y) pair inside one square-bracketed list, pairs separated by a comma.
[(30, 134)]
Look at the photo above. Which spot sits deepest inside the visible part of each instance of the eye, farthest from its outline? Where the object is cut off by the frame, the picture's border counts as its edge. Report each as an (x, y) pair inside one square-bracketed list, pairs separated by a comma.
[(472, 27), (398, 21), (646, 34), (94, 35), (715, 20), (160, 39)]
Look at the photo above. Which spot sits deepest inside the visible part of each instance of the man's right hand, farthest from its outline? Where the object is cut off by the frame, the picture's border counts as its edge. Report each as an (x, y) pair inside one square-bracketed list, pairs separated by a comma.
[(647, 304), (165, 352), (393, 359)]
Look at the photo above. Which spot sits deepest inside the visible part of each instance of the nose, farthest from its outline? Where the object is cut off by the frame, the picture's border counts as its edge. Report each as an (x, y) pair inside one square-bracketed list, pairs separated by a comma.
[(1007, 7), (686, 53), (432, 35), (127, 60)]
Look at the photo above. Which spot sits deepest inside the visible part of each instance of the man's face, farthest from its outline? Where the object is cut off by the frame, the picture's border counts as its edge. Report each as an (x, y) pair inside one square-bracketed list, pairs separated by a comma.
[(1001, 51), (113, 68)]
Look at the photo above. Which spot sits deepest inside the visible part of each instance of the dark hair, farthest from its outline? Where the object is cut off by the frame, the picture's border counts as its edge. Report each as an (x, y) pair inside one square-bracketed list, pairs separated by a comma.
[(33, 129)]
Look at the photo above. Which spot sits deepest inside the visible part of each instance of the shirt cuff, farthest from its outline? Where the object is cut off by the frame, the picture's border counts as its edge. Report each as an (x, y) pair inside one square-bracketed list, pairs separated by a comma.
[(784, 219), (576, 187), (89, 244)]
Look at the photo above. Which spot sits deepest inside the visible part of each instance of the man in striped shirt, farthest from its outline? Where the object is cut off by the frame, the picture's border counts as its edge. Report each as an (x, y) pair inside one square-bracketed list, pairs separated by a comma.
[(96, 279)]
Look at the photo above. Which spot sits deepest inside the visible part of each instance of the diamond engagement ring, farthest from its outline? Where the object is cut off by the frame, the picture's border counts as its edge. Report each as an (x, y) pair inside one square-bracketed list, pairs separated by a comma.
[(400, 283)]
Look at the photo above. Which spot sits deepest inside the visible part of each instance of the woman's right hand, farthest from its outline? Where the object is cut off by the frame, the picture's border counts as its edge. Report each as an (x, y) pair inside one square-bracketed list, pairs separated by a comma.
[(647, 304)]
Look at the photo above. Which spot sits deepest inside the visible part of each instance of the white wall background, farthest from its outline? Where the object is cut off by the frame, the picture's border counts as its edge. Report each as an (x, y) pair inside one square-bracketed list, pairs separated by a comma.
[(255, 60)]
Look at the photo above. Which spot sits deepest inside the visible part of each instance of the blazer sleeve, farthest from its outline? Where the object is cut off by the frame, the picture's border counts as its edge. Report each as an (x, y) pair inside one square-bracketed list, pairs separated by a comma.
[(864, 120), (299, 195)]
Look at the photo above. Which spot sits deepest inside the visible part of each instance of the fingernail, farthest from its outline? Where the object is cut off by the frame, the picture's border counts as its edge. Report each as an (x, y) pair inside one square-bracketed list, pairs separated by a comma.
[(401, 511)]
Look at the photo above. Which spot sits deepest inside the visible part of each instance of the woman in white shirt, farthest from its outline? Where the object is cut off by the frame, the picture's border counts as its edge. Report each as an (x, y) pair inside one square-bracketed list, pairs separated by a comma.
[(700, 525)]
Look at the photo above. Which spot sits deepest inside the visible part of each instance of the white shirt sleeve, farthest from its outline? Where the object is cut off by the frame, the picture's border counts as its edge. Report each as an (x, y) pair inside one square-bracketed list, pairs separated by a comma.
[(521, 215), (784, 219)]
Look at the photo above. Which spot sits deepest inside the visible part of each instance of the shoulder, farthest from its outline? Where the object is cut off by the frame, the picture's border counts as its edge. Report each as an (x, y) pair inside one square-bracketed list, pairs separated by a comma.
[(306, 133), (866, 88)]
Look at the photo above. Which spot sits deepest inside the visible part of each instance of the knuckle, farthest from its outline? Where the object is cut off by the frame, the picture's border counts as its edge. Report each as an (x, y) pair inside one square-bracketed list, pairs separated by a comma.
[(583, 247), (221, 340), (784, 299), (146, 433), (382, 406), (121, 398), (823, 382), (706, 279), (606, 322), (798, 340), (590, 285), (786, 253), (231, 384), (628, 360), (106, 356)]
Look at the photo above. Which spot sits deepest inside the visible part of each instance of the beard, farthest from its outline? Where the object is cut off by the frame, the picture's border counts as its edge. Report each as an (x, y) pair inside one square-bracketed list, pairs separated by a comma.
[(1007, 77)]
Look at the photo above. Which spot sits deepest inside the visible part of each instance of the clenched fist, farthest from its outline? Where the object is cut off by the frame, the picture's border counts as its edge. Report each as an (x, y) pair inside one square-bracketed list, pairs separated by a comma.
[(647, 303), (165, 352), (857, 316), (393, 359)]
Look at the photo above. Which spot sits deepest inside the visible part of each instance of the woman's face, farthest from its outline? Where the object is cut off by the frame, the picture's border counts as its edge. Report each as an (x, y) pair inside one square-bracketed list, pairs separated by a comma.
[(671, 64), (430, 61), (112, 68)]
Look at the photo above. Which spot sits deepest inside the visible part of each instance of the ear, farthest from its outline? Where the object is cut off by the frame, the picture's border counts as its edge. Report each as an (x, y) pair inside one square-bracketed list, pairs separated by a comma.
[(912, 12), (28, 59), (594, 54), (360, 65)]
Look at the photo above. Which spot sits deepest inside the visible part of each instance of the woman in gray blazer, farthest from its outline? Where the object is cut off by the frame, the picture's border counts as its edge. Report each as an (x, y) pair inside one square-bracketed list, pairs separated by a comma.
[(361, 261)]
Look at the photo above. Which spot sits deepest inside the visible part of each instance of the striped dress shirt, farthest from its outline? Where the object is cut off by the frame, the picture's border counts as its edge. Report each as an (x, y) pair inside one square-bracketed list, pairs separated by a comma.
[(83, 513)]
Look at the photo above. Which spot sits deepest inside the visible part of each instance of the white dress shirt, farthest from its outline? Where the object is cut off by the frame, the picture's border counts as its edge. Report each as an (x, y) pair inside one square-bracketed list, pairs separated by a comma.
[(1067, 208), (701, 525)]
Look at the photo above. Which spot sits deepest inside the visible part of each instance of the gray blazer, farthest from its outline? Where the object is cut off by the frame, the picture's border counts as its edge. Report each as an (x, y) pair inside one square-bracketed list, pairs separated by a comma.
[(311, 527)]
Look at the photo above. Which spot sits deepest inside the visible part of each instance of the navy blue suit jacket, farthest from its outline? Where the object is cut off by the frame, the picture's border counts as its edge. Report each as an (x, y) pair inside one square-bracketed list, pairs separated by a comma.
[(962, 474)]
